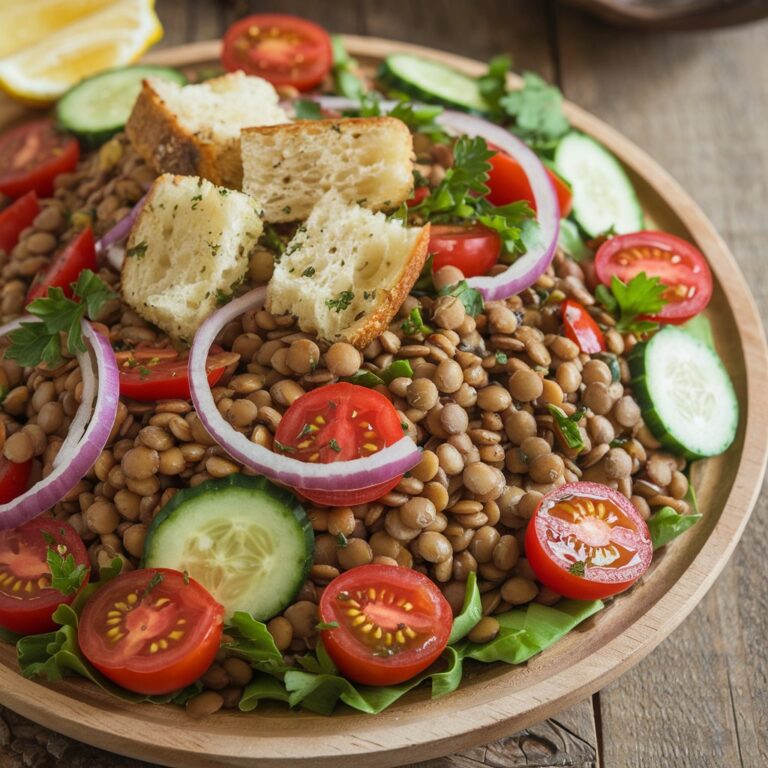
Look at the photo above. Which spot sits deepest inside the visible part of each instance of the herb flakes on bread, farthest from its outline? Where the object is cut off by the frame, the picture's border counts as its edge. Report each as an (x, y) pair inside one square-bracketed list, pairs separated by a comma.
[(290, 167), (187, 251), (347, 271), (195, 129)]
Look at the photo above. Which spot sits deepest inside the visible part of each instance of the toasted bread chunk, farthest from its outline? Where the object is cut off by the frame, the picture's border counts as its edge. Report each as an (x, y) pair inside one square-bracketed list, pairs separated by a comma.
[(188, 248), (195, 129), (290, 167), (346, 272)]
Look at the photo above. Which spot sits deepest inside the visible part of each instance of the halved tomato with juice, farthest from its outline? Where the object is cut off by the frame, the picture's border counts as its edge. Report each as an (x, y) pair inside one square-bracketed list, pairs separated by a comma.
[(392, 623), (27, 600), (587, 541), (473, 248), (285, 50), (678, 264), (32, 155), (151, 373), (340, 422), (152, 630)]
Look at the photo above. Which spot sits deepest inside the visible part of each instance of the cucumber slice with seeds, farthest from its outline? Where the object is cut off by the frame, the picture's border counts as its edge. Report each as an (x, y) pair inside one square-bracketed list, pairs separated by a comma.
[(99, 106), (248, 542)]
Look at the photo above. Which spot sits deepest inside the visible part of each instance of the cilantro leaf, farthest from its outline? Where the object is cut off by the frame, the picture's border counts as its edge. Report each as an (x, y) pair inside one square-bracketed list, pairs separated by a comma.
[(307, 110), (642, 295), (471, 298), (568, 426), (66, 575), (537, 111)]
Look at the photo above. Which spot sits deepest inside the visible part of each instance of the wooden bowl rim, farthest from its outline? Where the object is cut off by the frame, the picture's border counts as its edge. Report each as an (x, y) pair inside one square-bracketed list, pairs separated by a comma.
[(470, 715)]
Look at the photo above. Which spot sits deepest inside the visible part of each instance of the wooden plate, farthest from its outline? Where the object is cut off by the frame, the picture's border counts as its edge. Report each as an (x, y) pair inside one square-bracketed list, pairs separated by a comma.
[(493, 700)]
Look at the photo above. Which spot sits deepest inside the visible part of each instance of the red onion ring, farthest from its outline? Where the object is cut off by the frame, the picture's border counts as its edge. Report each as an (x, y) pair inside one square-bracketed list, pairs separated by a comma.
[(110, 246), (340, 475), (532, 264), (83, 444)]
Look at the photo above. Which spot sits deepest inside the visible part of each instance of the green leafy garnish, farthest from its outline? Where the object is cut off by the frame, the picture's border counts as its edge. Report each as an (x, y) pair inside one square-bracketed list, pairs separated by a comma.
[(334, 445), (577, 568), (308, 272), (568, 426), (398, 369), (326, 625), (137, 251), (666, 523), (67, 576), (414, 324), (493, 84), (341, 302), (471, 611), (307, 110), (346, 81), (272, 241), (642, 295), (502, 358), (571, 242), (471, 298), (40, 342)]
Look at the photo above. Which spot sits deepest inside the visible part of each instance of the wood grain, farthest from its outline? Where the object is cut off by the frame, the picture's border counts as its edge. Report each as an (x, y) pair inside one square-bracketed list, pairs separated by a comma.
[(702, 121)]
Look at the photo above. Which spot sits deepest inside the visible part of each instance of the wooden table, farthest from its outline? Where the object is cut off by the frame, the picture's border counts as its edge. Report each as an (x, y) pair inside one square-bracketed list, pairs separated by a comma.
[(697, 102)]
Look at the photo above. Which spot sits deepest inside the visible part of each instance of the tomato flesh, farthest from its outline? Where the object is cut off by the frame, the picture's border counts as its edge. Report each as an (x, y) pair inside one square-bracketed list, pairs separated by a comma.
[(473, 249), (677, 263), (393, 623), (340, 422), (14, 478), (32, 155), (508, 183), (581, 328), (16, 217), (152, 630), (149, 373), (587, 541), (285, 50), (64, 270), (419, 194), (27, 601)]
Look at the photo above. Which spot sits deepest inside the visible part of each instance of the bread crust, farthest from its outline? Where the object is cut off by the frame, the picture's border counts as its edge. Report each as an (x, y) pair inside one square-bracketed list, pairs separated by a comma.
[(370, 327)]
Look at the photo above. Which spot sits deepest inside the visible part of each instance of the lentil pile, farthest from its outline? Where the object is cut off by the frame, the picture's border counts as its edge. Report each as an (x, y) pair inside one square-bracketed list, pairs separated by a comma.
[(477, 405)]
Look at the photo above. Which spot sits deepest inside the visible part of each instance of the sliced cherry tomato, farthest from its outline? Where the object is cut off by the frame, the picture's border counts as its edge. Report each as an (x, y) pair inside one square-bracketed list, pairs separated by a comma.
[(580, 327), (149, 373), (27, 601), (14, 478), (678, 264), (65, 268), (16, 217), (393, 623), (472, 249), (285, 50), (587, 541), (32, 155), (151, 631), (508, 183), (418, 196), (340, 422)]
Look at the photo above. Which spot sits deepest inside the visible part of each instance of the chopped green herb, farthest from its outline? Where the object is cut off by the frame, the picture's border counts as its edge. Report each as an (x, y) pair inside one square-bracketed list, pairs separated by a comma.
[(282, 447), (155, 581), (272, 241), (334, 446), (471, 298), (568, 426), (341, 541), (414, 324), (577, 568), (66, 576), (405, 426), (326, 625), (286, 209), (308, 272), (501, 358), (222, 297), (144, 372), (369, 295), (195, 200), (642, 295), (307, 110), (137, 251), (185, 576), (341, 302)]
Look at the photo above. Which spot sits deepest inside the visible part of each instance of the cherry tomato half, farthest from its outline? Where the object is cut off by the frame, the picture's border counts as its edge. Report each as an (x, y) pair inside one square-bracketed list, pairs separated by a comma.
[(151, 631), (418, 196), (27, 600), (340, 422), (581, 328), (508, 183), (393, 623), (17, 216), (14, 478), (32, 155), (149, 373), (678, 264), (285, 50), (65, 268), (587, 541), (473, 249)]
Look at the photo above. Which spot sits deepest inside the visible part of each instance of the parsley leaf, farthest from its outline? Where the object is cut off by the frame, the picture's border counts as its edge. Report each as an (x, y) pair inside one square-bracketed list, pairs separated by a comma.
[(341, 302), (471, 298), (642, 295), (307, 110), (537, 111), (414, 324), (272, 241), (346, 81), (493, 84), (137, 251), (40, 342), (568, 426), (334, 445), (66, 576), (577, 568)]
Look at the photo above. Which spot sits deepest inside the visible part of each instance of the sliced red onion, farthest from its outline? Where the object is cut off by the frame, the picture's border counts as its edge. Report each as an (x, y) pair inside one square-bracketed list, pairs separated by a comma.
[(392, 461), (86, 438), (532, 264), (111, 246)]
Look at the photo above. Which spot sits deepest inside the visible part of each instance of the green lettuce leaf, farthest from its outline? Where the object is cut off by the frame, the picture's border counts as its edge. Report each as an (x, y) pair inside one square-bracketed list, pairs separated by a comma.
[(262, 687), (252, 641), (700, 327), (666, 524), (471, 611)]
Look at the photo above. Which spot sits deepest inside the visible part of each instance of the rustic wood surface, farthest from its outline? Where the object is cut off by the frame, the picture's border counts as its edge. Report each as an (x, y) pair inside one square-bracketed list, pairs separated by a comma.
[(698, 103)]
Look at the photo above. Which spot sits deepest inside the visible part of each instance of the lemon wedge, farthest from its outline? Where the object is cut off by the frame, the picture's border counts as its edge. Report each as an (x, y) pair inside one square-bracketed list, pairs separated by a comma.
[(107, 35)]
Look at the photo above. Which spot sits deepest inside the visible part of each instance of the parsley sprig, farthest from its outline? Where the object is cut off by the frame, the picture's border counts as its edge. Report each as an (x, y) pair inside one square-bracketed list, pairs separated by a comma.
[(66, 575), (470, 297), (642, 295), (35, 343), (568, 426)]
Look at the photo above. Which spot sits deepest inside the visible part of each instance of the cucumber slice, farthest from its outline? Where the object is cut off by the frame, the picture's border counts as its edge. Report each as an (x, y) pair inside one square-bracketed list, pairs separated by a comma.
[(432, 82), (99, 106), (687, 398), (603, 196), (248, 542)]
